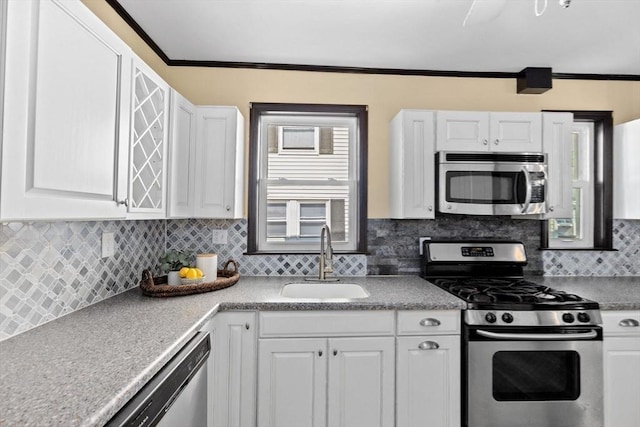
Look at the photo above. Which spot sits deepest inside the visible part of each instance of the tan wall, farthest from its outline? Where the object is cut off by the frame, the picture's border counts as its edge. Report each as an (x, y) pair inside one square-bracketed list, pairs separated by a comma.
[(385, 95)]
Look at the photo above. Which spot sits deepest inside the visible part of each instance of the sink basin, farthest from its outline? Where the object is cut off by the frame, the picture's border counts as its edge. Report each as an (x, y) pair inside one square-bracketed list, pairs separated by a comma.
[(323, 290)]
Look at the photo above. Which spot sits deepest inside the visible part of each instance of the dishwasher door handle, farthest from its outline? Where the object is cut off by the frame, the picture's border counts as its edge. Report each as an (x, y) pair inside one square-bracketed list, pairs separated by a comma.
[(538, 337)]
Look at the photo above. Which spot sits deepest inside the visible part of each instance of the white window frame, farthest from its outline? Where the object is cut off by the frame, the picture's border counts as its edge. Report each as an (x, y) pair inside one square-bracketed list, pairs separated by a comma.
[(584, 182), (315, 151), (294, 217), (319, 120)]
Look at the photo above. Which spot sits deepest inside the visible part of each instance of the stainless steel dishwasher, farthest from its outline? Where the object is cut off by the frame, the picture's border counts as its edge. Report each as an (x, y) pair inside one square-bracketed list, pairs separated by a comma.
[(175, 396)]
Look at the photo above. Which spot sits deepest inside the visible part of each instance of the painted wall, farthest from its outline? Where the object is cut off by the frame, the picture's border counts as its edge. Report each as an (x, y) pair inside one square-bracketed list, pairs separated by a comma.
[(385, 95)]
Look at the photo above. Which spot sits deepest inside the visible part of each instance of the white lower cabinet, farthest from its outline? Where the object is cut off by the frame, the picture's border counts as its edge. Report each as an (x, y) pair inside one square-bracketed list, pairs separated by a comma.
[(361, 382), (621, 357), (428, 369), (232, 392), (292, 382), (320, 380), (335, 369), (326, 382)]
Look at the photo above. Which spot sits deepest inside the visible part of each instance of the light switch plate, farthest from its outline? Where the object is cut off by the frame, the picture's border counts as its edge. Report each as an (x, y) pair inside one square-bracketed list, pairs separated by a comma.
[(219, 237), (108, 244)]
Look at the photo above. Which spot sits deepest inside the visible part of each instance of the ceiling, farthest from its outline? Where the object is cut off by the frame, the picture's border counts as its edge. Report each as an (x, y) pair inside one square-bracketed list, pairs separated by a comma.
[(596, 37)]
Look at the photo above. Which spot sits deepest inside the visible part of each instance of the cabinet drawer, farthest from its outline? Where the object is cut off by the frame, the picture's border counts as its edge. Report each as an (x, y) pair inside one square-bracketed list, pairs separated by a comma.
[(625, 322), (326, 323), (428, 322)]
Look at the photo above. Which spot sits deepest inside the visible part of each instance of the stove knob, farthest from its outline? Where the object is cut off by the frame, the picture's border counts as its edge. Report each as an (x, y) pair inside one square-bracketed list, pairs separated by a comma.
[(568, 318), (507, 318), (584, 317), (490, 317)]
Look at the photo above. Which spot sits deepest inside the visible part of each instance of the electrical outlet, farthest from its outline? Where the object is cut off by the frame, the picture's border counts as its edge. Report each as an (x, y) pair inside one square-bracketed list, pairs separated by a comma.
[(219, 237), (422, 239), (108, 244)]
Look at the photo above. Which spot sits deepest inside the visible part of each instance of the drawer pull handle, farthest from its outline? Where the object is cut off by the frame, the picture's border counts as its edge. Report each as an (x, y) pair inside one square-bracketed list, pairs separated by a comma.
[(429, 322), (428, 345), (629, 323)]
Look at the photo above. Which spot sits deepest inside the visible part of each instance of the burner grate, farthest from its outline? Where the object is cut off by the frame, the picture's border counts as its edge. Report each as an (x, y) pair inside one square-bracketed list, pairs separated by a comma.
[(507, 291)]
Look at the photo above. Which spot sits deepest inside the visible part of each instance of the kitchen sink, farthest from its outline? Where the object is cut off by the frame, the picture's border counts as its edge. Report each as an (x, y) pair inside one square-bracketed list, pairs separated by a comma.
[(323, 290)]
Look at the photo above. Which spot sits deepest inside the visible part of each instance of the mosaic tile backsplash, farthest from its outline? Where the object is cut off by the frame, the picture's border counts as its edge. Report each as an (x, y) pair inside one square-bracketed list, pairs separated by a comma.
[(394, 244), (195, 235), (48, 270)]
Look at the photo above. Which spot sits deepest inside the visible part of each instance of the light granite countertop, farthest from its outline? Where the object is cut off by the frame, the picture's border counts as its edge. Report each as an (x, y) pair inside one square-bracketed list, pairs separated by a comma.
[(79, 370)]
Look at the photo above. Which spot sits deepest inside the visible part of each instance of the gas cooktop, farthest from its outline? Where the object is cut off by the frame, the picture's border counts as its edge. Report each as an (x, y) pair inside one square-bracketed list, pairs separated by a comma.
[(488, 275), (514, 294)]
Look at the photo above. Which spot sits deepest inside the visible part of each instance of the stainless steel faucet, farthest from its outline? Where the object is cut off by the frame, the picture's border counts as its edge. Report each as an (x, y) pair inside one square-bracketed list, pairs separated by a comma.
[(326, 255)]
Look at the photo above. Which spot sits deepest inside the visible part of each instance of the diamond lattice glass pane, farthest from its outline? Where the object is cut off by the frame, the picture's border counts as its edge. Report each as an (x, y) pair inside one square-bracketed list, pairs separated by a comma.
[(147, 161)]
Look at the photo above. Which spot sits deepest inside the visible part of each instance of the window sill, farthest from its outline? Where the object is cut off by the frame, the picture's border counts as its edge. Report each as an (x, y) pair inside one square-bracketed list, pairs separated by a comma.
[(303, 253)]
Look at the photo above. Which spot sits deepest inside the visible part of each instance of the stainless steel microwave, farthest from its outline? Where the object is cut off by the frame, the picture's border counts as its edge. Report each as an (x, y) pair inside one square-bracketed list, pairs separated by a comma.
[(491, 183)]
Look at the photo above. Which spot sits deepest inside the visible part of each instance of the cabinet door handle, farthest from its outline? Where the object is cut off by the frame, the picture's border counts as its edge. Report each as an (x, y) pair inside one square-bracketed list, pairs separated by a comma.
[(228, 208), (335, 352), (629, 323), (319, 353), (246, 325), (124, 202), (429, 321), (485, 142), (428, 345), (497, 141)]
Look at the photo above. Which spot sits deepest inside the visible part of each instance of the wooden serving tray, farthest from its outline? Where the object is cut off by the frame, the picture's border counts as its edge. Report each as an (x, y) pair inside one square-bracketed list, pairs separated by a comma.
[(157, 287)]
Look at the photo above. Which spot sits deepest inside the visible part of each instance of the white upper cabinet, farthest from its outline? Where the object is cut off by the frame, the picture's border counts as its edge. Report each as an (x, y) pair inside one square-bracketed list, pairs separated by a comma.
[(182, 157), (462, 131), (557, 145), (207, 161), (66, 114), (148, 143), (484, 131), (412, 165), (626, 173), (219, 162)]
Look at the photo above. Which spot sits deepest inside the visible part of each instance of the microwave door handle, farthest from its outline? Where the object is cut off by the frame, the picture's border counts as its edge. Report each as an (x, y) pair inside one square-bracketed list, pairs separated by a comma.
[(538, 337), (527, 197)]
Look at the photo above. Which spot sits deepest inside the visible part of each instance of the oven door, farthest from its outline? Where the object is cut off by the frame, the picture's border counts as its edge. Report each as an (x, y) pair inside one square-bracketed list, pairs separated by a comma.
[(550, 378)]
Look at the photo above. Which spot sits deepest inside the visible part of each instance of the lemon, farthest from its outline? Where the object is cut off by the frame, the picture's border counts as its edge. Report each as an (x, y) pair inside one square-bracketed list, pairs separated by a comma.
[(192, 274), (183, 272), (200, 273)]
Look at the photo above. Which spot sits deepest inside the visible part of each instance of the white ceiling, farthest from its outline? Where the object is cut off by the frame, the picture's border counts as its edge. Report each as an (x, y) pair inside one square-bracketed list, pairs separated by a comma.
[(589, 37)]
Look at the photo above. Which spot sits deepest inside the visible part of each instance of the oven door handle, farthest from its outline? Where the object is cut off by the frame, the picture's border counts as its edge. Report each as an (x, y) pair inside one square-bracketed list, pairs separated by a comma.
[(538, 337)]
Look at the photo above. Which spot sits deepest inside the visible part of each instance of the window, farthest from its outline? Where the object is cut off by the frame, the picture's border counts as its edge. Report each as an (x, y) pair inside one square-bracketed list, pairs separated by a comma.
[(577, 231), (308, 168), (590, 226)]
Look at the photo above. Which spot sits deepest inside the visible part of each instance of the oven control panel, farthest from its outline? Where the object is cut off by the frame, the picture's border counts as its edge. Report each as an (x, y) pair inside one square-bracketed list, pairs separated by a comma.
[(533, 318), (477, 251)]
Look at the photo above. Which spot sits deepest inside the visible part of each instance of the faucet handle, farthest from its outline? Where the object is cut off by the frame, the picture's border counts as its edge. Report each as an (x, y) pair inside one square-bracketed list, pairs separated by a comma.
[(328, 265)]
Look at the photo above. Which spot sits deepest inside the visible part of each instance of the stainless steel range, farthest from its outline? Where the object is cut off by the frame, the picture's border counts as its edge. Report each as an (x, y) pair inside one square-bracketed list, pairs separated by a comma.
[(532, 355)]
